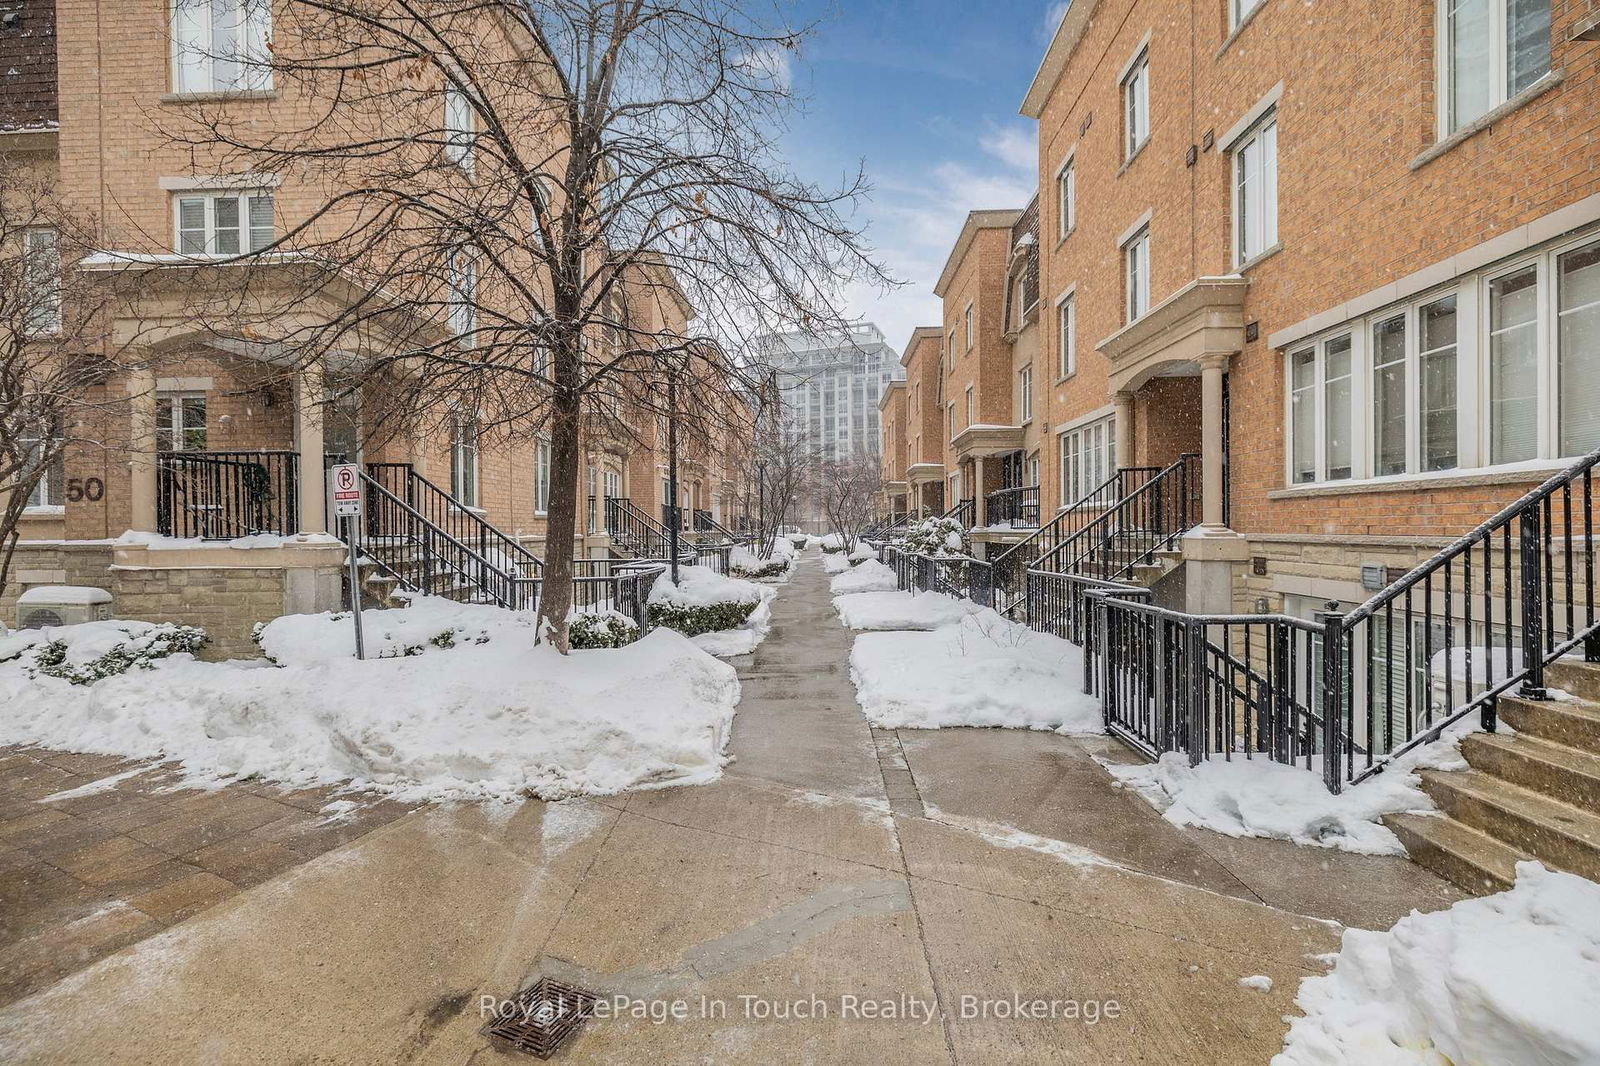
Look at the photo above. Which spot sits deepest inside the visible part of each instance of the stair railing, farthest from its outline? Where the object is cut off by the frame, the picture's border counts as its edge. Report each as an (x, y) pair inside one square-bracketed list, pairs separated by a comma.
[(634, 531), (448, 514)]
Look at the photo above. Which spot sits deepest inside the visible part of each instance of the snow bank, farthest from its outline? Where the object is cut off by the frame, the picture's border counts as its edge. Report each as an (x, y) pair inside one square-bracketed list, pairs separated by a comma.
[(1257, 797), (741, 640), (835, 563), (1508, 980), (464, 717), (742, 558), (901, 610), (700, 586), (981, 671), (862, 552), (869, 576)]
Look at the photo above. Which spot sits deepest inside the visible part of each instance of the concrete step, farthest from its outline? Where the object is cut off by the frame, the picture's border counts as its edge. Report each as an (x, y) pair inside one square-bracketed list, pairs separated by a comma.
[(1555, 770), (1575, 723), (1464, 856), (1556, 833), (1575, 676)]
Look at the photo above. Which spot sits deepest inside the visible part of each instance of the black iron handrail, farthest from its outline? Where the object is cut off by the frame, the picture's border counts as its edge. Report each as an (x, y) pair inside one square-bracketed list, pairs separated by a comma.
[(963, 511), (957, 575), (464, 524), (227, 495), (635, 531), (1015, 507), (1148, 519)]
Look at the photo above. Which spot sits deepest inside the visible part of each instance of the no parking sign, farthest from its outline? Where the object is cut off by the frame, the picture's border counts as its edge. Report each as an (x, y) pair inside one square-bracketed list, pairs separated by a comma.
[(344, 485)]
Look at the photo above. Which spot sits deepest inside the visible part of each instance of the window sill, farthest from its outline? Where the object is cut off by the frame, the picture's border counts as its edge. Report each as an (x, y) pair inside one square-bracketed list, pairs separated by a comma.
[(1063, 238), (1488, 118), (1137, 152), (1064, 378), (1258, 259), (224, 96), (1240, 28), (1518, 474), (45, 510)]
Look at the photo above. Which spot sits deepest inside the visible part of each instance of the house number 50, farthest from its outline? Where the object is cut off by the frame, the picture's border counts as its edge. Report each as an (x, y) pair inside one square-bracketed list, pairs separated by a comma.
[(85, 488)]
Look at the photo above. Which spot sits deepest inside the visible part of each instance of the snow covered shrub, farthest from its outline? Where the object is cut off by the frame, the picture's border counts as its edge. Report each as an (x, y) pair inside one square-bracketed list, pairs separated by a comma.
[(693, 620), (798, 540), (601, 629), (942, 538), (85, 653), (703, 601), (759, 568)]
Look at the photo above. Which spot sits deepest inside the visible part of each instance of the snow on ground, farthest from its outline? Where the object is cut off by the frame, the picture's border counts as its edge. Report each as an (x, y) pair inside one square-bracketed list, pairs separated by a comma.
[(901, 610), (699, 585), (465, 706), (1257, 797), (742, 640), (1508, 979), (980, 671), (863, 551), (835, 563), (869, 576)]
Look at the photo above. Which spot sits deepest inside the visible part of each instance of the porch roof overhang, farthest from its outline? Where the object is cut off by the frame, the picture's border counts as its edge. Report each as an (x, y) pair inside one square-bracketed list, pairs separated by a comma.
[(988, 440), (920, 473), (1204, 318), (893, 487)]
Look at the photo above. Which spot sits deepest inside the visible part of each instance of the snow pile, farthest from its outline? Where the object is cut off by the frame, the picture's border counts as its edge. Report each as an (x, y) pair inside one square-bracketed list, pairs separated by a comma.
[(835, 563), (89, 651), (901, 610), (743, 638), (1508, 980), (746, 564), (829, 542), (862, 552), (701, 586), (1257, 797), (870, 576), (703, 600), (158, 542), (981, 671), (490, 718)]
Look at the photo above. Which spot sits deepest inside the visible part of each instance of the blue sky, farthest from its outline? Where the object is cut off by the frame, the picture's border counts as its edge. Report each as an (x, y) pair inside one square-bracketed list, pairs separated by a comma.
[(925, 95)]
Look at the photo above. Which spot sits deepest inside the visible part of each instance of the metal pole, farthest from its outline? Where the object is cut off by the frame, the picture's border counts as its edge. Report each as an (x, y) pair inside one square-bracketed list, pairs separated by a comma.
[(761, 505), (355, 585), (672, 469)]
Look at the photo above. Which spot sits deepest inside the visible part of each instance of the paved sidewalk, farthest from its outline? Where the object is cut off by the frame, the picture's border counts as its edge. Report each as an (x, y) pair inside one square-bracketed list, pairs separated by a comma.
[(833, 868)]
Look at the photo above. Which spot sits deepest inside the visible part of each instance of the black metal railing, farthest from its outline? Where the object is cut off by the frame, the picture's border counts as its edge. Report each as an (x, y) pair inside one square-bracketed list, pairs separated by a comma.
[(1015, 507), (886, 526), (634, 531), (461, 523), (227, 495), (621, 585), (706, 522), (951, 575), (716, 557), (964, 511)]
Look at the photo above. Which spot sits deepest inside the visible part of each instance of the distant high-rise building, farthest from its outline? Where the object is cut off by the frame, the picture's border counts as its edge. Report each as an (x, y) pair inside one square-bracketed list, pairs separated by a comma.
[(830, 386)]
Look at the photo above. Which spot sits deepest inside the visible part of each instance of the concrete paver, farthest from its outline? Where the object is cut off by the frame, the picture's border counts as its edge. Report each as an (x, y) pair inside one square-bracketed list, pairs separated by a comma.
[(832, 861)]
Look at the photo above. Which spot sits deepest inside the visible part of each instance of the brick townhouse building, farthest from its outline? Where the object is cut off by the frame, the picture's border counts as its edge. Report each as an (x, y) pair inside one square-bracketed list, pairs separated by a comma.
[(213, 420)]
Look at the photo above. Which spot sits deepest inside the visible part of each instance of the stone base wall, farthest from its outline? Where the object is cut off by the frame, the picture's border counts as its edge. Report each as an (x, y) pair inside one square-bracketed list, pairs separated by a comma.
[(54, 562)]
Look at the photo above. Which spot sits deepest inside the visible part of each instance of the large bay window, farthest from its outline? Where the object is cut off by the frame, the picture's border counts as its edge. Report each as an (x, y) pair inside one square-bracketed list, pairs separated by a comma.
[(1088, 457), (1495, 368), (221, 46), (1490, 50)]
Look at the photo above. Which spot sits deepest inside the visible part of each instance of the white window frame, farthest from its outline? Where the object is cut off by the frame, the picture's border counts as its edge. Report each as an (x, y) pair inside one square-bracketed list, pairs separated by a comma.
[(462, 308), (171, 438), (465, 467), (43, 495), (42, 281), (541, 475), (1266, 176), (1086, 453), (1025, 393), (1135, 82), (1360, 374), (1067, 196), (966, 317), (251, 237), (1067, 334), (1136, 275), (460, 126), (196, 63), (1239, 11), (969, 405), (1499, 66)]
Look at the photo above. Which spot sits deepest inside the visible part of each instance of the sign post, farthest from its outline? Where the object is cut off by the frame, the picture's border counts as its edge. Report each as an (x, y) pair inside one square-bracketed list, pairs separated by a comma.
[(344, 488)]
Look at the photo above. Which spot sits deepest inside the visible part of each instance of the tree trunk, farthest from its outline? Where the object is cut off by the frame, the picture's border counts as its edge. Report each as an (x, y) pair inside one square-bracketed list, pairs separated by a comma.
[(555, 598)]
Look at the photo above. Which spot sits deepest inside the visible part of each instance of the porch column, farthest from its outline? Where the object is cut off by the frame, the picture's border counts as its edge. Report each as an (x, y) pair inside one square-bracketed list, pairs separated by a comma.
[(308, 399), (1211, 447), (980, 502), (1124, 431), (142, 450)]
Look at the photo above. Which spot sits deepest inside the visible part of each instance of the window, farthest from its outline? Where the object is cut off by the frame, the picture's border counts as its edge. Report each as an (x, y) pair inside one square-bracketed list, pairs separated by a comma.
[(969, 405), (224, 223), (42, 282), (459, 118), (1239, 10), (1578, 349), (952, 411), (1437, 389), (1088, 459), (541, 477), (967, 318), (1066, 335), (1514, 365), (181, 422), (464, 459), (220, 46), (1389, 389), (1136, 105), (1490, 50), (1067, 197), (1025, 393), (1255, 188), (1136, 274), (463, 310), (48, 491), (1321, 398), (1032, 474)]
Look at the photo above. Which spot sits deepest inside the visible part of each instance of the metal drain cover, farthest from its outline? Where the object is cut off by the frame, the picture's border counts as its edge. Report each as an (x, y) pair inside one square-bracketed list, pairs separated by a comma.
[(540, 1018)]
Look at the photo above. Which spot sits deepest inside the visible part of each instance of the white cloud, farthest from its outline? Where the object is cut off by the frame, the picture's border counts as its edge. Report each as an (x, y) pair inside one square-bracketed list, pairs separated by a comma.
[(769, 62), (1014, 145), (1052, 19)]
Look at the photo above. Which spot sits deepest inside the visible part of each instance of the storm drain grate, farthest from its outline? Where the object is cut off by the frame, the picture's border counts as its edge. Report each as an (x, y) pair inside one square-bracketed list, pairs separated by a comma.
[(540, 1018)]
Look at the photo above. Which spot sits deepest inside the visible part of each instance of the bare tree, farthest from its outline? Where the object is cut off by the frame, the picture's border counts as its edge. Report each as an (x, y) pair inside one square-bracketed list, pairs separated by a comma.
[(778, 477), (530, 199), (849, 490), (56, 354)]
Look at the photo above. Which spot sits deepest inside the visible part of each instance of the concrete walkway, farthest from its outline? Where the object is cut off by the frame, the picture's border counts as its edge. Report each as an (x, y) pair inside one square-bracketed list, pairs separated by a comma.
[(843, 895)]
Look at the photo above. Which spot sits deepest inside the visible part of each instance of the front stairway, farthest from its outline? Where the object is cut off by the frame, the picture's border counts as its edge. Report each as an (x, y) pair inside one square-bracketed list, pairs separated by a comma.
[(1534, 794)]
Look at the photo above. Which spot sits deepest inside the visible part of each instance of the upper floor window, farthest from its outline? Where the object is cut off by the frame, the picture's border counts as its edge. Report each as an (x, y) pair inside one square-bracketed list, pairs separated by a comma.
[(541, 477), (1255, 190), (967, 321), (181, 422), (223, 223), (42, 282), (1490, 50), (464, 459), (1067, 197), (463, 307), (1066, 335), (969, 405), (951, 362), (1136, 274), (1025, 393), (220, 46), (1136, 105), (459, 134)]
